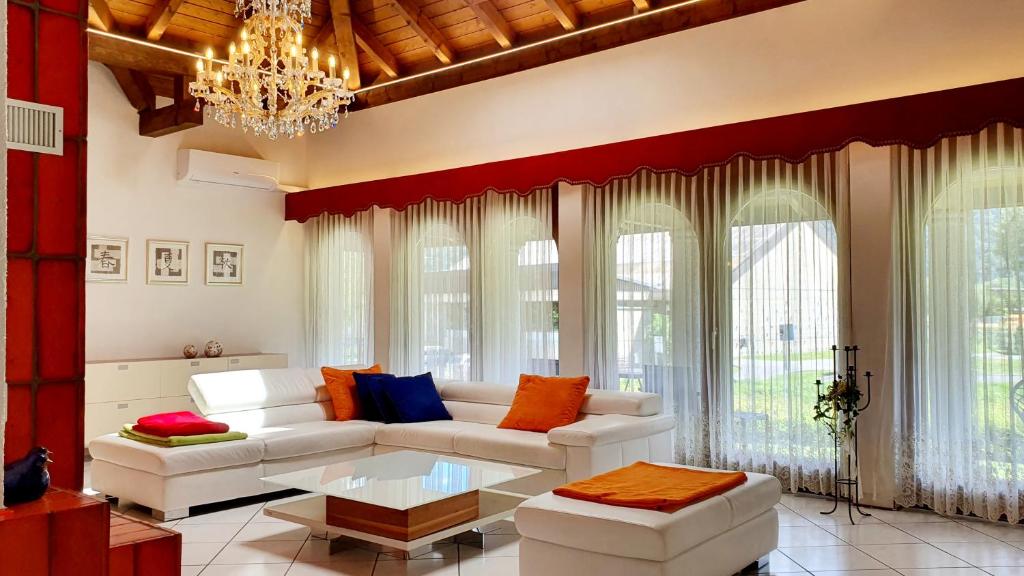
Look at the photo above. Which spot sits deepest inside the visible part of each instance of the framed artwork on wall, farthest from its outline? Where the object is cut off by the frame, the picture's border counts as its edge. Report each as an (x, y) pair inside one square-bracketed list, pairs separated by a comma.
[(224, 264), (107, 260), (166, 262)]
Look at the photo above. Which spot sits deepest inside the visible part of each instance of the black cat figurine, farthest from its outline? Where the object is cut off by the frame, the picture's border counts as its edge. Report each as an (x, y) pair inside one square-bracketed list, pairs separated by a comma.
[(27, 479)]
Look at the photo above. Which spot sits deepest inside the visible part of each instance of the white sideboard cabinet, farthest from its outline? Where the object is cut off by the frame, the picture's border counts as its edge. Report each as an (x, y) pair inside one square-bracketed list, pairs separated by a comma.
[(119, 392)]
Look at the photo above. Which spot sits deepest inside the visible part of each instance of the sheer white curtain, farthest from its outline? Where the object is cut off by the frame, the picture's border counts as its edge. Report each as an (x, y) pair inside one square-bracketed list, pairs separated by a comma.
[(723, 291), (779, 297), (339, 290), (643, 298), (474, 288), (959, 324)]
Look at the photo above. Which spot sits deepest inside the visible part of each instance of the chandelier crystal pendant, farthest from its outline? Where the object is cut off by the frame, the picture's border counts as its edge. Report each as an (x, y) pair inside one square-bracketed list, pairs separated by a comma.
[(269, 83)]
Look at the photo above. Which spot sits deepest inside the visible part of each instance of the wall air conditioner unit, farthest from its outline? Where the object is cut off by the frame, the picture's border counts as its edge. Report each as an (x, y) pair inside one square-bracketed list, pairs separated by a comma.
[(198, 167)]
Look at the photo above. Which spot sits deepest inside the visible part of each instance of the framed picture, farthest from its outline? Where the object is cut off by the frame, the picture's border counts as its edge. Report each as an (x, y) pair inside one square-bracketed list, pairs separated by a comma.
[(166, 262), (107, 260), (224, 264)]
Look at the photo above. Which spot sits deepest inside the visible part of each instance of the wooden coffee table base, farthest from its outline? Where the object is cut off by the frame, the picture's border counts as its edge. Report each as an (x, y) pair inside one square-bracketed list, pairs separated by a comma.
[(403, 525)]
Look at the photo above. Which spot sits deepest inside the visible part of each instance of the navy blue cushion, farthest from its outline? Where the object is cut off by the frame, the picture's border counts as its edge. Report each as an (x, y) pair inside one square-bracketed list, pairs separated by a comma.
[(415, 399), (373, 399)]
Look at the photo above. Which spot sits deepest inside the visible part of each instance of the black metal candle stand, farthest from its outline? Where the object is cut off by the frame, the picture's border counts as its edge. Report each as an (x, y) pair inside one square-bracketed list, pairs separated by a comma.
[(852, 479)]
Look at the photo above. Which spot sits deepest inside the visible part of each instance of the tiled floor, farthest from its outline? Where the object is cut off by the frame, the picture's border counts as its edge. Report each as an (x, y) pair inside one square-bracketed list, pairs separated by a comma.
[(241, 541)]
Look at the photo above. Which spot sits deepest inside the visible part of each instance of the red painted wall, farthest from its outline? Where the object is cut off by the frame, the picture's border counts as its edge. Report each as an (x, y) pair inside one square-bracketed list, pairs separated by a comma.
[(46, 62)]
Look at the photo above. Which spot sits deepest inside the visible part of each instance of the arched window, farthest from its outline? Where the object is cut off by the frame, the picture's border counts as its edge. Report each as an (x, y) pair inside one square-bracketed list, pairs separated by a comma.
[(339, 280), (656, 299), (783, 261), (444, 300)]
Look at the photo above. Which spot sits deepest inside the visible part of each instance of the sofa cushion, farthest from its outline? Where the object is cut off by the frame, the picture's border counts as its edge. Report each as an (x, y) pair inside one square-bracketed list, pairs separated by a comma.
[(178, 460), (476, 412), (251, 389), (513, 446), (643, 534), (373, 399), (341, 386), (625, 403), (545, 402), (436, 436), (415, 399), (303, 438)]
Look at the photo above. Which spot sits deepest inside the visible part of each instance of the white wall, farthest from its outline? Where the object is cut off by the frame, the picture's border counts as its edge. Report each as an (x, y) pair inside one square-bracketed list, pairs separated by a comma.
[(132, 193), (806, 56)]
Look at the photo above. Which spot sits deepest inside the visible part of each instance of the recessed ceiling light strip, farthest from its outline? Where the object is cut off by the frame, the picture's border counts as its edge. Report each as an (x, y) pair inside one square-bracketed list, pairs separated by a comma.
[(459, 64)]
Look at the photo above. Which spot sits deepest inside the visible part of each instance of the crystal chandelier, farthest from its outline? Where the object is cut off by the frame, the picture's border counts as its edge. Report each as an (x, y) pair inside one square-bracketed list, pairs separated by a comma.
[(269, 83)]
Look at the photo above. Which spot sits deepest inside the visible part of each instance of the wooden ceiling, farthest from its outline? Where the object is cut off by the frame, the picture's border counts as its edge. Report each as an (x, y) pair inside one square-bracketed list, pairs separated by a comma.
[(382, 40)]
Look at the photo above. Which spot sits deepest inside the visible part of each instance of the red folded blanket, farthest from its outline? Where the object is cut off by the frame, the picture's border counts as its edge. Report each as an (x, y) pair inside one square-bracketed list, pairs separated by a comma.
[(178, 424)]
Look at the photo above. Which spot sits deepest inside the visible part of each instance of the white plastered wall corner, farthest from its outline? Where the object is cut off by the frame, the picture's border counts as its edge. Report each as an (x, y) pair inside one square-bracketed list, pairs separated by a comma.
[(3, 243)]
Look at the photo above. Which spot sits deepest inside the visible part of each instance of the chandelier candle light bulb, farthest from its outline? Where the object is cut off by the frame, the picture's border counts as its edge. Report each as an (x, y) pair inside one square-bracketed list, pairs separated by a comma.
[(274, 88)]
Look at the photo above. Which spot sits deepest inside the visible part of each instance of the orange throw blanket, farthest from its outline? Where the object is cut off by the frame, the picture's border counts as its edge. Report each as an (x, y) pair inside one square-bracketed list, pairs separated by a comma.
[(652, 487)]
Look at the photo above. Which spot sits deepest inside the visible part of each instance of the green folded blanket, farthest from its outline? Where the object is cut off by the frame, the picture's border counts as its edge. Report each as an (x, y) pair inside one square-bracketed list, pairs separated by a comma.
[(173, 441)]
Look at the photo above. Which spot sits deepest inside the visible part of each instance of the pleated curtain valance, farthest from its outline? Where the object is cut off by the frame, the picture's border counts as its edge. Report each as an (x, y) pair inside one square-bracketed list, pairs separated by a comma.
[(917, 121)]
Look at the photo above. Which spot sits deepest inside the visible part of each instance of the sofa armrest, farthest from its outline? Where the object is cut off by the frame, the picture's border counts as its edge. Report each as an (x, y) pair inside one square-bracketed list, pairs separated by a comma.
[(609, 429)]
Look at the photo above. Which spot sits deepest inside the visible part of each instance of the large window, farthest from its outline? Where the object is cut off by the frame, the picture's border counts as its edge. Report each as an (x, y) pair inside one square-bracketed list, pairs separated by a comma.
[(784, 294), (474, 288), (960, 313), (339, 280)]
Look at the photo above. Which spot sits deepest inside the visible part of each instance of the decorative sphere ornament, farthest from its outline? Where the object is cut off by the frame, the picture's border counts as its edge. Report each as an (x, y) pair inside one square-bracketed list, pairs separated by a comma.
[(214, 349), (190, 351)]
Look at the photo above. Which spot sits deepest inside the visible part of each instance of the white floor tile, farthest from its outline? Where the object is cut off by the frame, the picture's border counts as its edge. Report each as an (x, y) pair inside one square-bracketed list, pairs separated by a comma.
[(872, 534), (836, 558), (438, 551), (779, 563), (272, 531), (982, 554), (885, 572), (246, 570), (943, 572), (788, 517), (502, 527), (447, 567), (997, 530), (208, 532), (199, 553), (314, 550), (490, 566), (336, 568), (790, 536), (258, 552), (1005, 571), (494, 545), (240, 514), (912, 556), (906, 516), (945, 532), (191, 570)]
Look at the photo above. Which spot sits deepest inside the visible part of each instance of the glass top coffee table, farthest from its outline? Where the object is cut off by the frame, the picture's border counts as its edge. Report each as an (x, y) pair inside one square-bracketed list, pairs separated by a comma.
[(400, 502)]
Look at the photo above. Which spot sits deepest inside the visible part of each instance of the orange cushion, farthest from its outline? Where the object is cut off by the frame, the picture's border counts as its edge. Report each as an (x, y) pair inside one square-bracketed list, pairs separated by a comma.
[(545, 402), (342, 388), (652, 487)]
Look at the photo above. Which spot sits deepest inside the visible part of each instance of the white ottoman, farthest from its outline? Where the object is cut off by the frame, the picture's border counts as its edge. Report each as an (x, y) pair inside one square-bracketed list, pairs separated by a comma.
[(717, 537)]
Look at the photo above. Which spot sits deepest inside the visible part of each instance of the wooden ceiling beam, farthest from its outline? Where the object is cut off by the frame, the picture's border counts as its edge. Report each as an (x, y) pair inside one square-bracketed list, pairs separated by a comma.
[(116, 52), (495, 23), (160, 17), (421, 24), (100, 16), (565, 13), (642, 5), (370, 44), (181, 115), (136, 88), (684, 18), (345, 39)]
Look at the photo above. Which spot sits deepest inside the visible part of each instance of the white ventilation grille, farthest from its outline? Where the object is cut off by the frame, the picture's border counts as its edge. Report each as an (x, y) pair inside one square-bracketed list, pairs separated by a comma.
[(35, 127)]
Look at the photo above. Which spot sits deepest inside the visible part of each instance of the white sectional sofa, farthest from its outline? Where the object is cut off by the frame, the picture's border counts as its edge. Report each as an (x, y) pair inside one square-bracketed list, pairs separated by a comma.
[(288, 415)]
